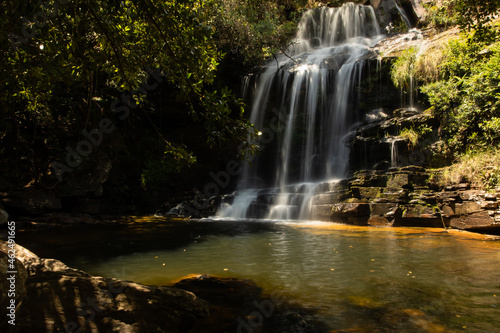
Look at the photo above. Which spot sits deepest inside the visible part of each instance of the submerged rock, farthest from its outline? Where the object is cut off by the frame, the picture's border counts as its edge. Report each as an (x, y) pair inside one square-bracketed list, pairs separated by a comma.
[(238, 305), (413, 320)]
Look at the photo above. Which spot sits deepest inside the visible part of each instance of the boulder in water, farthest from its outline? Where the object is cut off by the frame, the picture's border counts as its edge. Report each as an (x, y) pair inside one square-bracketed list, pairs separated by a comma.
[(238, 305)]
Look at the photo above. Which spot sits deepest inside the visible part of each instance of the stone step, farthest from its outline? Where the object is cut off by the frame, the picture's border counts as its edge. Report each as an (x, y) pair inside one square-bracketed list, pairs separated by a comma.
[(329, 197), (331, 186), (272, 199), (321, 212)]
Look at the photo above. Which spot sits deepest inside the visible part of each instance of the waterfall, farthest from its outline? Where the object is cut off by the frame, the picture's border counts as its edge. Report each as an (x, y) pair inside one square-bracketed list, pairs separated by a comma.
[(305, 99), (403, 15), (394, 153)]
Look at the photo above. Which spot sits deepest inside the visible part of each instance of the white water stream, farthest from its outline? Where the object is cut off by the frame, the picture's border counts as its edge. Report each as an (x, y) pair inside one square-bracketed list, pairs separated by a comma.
[(313, 87)]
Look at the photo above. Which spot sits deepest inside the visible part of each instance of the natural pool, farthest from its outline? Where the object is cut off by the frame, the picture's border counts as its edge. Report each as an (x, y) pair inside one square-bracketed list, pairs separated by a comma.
[(361, 279)]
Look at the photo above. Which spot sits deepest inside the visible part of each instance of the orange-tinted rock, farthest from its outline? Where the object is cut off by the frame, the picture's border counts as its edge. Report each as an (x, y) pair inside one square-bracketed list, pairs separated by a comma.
[(379, 221), (475, 220)]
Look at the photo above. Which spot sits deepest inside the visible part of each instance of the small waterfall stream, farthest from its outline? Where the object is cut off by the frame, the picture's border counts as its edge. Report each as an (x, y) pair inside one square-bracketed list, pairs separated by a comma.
[(403, 14), (311, 91)]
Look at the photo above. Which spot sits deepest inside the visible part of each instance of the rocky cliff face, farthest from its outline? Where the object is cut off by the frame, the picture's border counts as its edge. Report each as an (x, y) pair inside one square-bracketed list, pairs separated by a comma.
[(392, 184), (409, 12), (393, 138), (407, 196)]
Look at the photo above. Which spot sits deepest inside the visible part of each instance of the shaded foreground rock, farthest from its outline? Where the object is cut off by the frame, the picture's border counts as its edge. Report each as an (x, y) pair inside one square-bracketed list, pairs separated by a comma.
[(52, 297)]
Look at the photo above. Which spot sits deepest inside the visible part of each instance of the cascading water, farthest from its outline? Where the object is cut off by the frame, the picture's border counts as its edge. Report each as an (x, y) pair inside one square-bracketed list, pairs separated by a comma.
[(305, 100), (403, 15)]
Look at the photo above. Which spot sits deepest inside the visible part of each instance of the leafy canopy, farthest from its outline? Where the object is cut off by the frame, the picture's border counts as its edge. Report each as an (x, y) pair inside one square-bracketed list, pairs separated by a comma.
[(467, 98), (474, 15), (63, 64)]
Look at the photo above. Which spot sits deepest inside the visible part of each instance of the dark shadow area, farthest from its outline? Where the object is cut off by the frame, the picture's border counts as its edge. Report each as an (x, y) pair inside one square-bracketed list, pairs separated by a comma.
[(98, 243)]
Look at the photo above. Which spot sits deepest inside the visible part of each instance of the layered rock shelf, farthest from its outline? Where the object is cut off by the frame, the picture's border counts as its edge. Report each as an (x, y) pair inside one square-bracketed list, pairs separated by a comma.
[(407, 197)]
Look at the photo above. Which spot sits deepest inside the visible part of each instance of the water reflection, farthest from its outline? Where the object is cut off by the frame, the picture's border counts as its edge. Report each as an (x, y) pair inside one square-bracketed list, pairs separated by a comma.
[(370, 278)]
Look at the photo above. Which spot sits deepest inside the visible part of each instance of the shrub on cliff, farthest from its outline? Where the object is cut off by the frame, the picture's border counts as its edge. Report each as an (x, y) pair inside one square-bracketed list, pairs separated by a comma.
[(467, 98)]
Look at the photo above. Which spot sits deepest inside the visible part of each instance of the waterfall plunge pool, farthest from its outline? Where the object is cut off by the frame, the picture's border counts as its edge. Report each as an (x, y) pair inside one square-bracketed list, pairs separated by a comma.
[(363, 279)]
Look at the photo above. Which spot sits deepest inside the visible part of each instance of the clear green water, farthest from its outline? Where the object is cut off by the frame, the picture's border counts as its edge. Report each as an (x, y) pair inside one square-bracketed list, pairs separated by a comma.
[(358, 278)]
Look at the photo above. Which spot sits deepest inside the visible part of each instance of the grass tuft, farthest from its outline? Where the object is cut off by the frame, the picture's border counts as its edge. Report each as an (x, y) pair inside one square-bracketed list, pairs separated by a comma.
[(479, 169)]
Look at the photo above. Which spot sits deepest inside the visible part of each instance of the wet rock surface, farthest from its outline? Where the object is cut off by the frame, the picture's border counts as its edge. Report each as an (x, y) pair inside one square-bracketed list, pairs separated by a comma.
[(407, 197), (378, 143)]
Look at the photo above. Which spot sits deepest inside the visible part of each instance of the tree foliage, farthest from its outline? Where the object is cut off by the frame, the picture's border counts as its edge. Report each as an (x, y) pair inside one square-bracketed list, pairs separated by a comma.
[(255, 29), (440, 15), (474, 15), (64, 65), (470, 15), (467, 98), (460, 78)]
